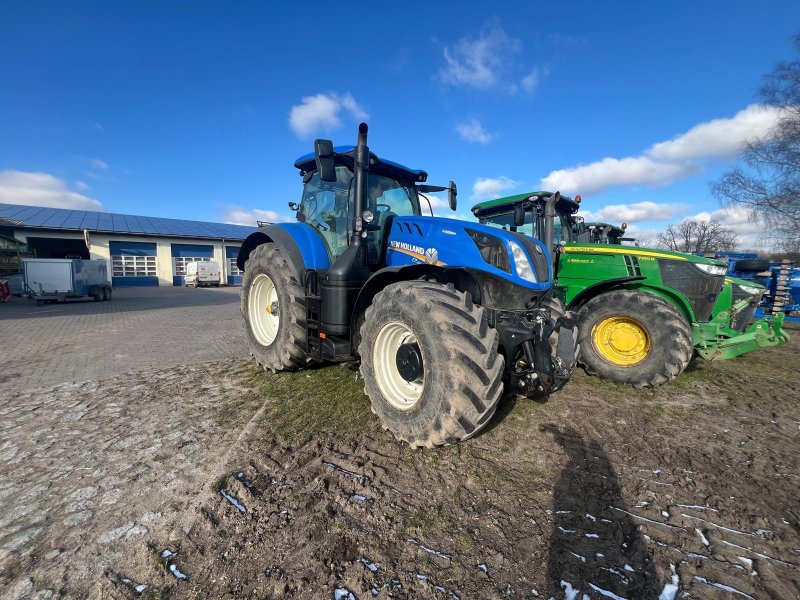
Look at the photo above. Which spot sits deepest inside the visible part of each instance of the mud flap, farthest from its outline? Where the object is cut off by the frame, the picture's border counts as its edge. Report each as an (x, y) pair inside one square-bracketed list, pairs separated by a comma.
[(763, 333)]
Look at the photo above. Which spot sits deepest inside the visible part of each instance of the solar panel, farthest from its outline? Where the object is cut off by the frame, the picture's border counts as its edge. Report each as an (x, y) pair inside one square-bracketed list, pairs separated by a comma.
[(78, 220)]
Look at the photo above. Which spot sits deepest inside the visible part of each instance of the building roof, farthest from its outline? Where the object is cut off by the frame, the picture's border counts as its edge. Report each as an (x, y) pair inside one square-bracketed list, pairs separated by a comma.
[(16, 215)]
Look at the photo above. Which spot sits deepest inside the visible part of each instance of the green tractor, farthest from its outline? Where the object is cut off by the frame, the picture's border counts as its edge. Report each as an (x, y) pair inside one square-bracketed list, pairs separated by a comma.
[(443, 314), (642, 312)]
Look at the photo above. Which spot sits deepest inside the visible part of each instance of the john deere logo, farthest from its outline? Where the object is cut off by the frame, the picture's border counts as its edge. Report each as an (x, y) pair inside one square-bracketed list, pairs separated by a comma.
[(431, 256)]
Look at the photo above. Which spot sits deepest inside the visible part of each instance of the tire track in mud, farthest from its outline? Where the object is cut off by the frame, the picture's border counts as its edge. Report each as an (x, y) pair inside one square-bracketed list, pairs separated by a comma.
[(579, 497)]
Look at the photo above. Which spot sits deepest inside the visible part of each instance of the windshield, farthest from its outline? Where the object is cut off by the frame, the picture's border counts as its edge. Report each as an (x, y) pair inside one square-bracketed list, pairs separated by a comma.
[(328, 207), (531, 227)]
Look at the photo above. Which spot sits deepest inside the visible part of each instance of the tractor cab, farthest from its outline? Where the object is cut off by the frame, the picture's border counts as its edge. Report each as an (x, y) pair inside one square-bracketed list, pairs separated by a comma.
[(535, 214), (601, 233), (329, 205)]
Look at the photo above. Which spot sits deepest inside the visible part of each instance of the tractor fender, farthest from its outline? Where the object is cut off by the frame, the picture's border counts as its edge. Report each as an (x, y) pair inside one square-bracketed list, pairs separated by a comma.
[(299, 243), (459, 277), (598, 288), (635, 283)]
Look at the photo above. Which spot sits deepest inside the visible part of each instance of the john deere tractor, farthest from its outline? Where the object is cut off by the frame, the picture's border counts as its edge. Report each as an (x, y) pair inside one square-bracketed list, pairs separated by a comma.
[(441, 312), (642, 312)]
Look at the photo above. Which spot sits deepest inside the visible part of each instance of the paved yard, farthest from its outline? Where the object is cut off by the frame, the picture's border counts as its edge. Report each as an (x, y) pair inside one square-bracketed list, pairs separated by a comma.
[(109, 428), (139, 328)]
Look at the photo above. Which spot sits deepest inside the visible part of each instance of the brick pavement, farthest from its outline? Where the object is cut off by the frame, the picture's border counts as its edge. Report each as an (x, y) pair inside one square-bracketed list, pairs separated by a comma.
[(140, 328), (109, 428)]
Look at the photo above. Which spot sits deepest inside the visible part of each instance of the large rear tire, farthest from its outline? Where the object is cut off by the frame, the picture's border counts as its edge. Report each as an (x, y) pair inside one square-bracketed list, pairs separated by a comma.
[(633, 337), (430, 363), (274, 310)]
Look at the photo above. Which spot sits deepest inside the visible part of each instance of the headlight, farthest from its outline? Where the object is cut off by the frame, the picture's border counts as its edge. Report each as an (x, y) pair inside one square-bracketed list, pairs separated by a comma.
[(749, 289), (521, 262), (367, 216), (711, 269)]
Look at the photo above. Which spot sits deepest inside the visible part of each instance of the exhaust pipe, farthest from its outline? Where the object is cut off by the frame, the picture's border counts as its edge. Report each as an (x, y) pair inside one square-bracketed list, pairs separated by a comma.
[(360, 181), (549, 221)]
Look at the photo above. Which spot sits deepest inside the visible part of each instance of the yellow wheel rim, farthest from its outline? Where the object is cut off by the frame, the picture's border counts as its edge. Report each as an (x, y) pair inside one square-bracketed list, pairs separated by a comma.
[(621, 340)]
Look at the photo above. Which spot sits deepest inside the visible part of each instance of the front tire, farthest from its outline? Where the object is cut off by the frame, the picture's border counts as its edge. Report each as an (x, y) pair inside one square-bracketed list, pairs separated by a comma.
[(430, 363), (274, 311), (633, 337)]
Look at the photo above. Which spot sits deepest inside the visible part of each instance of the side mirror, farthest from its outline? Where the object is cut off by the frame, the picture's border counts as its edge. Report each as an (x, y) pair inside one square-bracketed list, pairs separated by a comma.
[(323, 155), (519, 215), (452, 192)]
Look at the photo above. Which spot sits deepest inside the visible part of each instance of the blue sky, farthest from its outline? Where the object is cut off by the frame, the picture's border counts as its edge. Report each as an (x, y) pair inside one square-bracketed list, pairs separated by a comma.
[(198, 109)]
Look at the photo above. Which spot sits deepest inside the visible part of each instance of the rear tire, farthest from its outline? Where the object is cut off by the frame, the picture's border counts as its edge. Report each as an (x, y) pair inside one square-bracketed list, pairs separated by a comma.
[(633, 337), (460, 383), (274, 310), (752, 265)]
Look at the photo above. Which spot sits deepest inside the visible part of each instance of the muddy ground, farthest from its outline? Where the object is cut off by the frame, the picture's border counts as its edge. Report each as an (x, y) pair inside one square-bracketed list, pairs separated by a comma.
[(688, 491)]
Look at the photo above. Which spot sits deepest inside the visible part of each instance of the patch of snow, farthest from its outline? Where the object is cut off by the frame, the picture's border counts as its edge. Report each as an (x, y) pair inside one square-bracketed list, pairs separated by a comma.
[(592, 517), (140, 588), (722, 586), (357, 498), (343, 594), (428, 550), (167, 554), (370, 565), (582, 558), (697, 507), (599, 555), (570, 593), (606, 593), (700, 556), (484, 567), (703, 538), (592, 535), (567, 530), (644, 518), (629, 568), (670, 589), (177, 573), (665, 514), (232, 500)]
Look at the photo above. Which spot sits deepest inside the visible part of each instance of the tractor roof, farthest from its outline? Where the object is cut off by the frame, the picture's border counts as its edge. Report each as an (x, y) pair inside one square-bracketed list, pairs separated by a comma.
[(566, 203), (345, 155), (614, 228)]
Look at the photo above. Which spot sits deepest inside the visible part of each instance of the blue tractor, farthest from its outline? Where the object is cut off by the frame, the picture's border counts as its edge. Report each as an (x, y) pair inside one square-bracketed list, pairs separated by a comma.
[(442, 313)]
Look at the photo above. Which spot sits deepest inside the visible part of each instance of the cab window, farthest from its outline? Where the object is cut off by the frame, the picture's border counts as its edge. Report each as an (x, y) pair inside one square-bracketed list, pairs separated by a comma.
[(327, 208)]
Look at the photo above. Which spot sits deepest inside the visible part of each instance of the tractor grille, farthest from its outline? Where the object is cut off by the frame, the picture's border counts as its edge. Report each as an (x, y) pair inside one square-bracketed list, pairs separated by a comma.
[(701, 289), (741, 320)]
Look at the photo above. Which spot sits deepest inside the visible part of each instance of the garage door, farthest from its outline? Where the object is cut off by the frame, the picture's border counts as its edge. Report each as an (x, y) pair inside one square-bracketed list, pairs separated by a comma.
[(133, 264), (234, 274), (183, 254)]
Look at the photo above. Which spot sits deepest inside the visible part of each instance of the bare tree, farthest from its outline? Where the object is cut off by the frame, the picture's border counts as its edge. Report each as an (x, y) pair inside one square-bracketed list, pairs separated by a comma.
[(695, 236), (769, 185)]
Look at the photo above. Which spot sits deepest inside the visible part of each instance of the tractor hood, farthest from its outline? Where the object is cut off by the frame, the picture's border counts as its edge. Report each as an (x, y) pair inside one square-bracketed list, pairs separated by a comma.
[(640, 251)]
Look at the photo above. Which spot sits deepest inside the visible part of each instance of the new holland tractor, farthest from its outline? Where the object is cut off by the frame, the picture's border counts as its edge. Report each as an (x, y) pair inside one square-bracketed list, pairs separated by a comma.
[(442, 313), (642, 312)]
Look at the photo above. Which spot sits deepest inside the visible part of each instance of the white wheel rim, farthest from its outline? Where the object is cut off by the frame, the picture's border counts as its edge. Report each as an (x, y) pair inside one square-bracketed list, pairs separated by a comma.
[(263, 309), (400, 393)]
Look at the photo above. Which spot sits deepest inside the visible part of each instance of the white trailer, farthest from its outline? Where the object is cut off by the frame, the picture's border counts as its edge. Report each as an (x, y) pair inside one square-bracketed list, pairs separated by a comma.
[(59, 279)]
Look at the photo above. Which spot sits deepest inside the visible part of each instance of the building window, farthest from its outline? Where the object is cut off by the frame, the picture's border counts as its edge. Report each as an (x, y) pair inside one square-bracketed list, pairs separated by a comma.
[(133, 266), (232, 268), (179, 263)]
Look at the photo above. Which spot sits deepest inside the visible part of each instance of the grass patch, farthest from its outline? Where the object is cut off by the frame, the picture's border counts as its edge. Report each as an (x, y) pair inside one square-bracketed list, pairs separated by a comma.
[(317, 401)]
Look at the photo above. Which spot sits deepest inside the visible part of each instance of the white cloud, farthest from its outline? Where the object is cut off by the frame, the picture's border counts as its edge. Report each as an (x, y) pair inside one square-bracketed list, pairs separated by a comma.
[(532, 80), (81, 185), (42, 189), (322, 113), (637, 211), (719, 138), (486, 188), (237, 215), (613, 172), (96, 163), (473, 131), (669, 161), (479, 62)]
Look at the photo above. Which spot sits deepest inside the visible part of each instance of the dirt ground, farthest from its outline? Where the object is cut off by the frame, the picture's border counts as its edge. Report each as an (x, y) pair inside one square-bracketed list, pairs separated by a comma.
[(222, 481), (688, 491)]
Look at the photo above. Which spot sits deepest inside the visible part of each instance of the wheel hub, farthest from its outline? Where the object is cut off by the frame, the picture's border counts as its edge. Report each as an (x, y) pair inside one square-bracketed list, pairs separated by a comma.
[(262, 308), (621, 340), (409, 362)]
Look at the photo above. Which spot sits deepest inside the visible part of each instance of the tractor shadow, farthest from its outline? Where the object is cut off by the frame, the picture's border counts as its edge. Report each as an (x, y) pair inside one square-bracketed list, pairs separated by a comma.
[(594, 544)]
